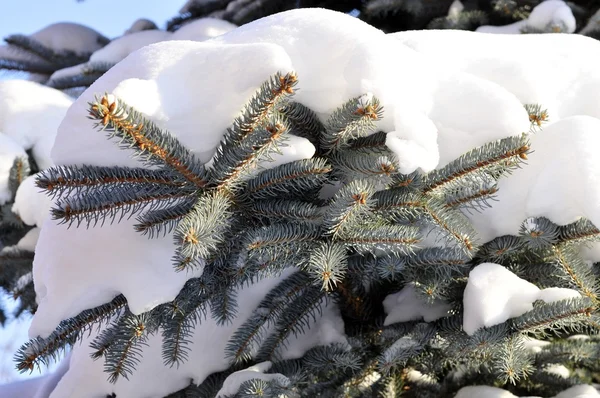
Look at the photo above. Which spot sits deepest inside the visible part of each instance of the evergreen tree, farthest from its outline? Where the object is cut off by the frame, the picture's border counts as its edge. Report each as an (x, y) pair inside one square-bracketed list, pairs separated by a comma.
[(344, 226)]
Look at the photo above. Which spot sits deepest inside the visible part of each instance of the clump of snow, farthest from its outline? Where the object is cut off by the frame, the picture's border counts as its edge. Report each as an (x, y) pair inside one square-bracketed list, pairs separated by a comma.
[(140, 25), (203, 29), (548, 16), (558, 370), (31, 205), (30, 111), (121, 47), (67, 36), (483, 392), (534, 345), (406, 305), (232, 383), (30, 239), (494, 294), (417, 377)]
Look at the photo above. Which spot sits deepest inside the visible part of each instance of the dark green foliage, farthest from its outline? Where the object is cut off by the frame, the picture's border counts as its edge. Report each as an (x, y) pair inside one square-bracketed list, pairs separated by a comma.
[(344, 227), (32, 56), (16, 263)]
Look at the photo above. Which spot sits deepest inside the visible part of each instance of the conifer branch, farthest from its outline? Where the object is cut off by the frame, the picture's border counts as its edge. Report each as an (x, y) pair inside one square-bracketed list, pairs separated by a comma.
[(294, 320), (203, 229), (116, 203), (575, 271), (61, 59), (495, 159), (153, 145), (393, 239), (350, 205), (354, 119), (551, 317), (285, 210), (19, 171), (289, 179), (246, 339), (39, 350), (163, 221), (302, 121), (67, 180), (127, 341), (581, 231)]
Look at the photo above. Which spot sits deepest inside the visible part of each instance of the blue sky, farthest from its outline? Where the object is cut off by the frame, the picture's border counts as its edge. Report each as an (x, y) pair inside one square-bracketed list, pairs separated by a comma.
[(109, 17)]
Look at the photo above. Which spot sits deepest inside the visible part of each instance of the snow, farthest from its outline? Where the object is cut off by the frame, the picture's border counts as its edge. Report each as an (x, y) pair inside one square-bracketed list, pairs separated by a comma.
[(436, 108), (494, 294), (233, 381), (203, 29), (31, 204), (534, 345), (69, 37), (329, 329), (30, 239), (567, 61), (483, 392), (558, 370), (140, 25), (29, 112), (86, 375), (546, 16), (406, 306), (121, 47), (581, 391)]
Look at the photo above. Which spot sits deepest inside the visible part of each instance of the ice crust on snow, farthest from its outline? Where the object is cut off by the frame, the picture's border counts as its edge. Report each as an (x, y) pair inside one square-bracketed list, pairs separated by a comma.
[(232, 383), (494, 294), (406, 305), (545, 16), (434, 111)]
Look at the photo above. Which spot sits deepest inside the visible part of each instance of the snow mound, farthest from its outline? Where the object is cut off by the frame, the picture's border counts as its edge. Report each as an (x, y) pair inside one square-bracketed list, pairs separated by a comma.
[(67, 36), (494, 294), (548, 16), (29, 111), (433, 113), (121, 47), (406, 306), (203, 29), (561, 180), (140, 25)]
